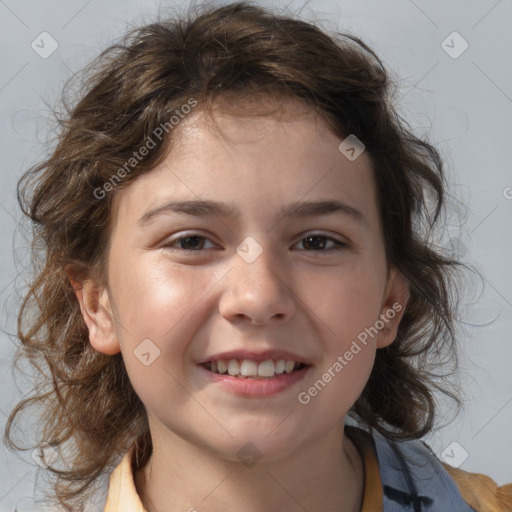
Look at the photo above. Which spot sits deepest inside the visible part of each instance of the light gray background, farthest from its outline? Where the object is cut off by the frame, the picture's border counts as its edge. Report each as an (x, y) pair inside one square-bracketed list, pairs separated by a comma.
[(464, 105)]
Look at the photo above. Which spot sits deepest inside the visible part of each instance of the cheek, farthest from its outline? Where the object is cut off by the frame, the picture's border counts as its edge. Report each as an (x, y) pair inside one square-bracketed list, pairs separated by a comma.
[(348, 300), (153, 296), (159, 310), (340, 381), (325, 398), (156, 309)]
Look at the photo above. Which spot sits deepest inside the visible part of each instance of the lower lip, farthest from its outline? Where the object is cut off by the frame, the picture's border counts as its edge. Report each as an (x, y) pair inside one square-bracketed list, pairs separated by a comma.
[(257, 387)]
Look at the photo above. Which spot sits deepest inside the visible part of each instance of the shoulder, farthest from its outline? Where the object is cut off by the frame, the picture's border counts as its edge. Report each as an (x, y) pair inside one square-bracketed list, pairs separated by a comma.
[(481, 491), (412, 476)]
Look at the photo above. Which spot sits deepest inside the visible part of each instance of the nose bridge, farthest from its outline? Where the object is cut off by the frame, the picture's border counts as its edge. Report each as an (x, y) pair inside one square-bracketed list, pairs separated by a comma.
[(257, 287)]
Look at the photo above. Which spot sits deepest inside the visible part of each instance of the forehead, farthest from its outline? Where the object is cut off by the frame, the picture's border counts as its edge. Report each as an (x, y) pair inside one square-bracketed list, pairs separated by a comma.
[(258, 158), (243, 123)]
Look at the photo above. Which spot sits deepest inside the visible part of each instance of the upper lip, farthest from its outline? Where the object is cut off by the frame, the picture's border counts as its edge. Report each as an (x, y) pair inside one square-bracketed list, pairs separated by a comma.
[(256, 356)]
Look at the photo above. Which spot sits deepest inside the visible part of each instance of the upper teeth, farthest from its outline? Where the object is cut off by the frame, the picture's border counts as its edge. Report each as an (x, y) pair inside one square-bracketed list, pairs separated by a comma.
[(249, 368)]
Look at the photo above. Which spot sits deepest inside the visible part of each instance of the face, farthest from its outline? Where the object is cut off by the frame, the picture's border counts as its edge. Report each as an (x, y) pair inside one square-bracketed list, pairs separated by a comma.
[(192, 288)]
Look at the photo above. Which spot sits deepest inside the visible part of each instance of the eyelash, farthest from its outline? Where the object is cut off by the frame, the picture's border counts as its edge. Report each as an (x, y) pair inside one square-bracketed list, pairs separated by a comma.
[(338, 245)]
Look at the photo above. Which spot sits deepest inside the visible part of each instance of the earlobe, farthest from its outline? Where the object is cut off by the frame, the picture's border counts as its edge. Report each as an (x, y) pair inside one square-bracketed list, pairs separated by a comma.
[(393, 307), (97, 314)]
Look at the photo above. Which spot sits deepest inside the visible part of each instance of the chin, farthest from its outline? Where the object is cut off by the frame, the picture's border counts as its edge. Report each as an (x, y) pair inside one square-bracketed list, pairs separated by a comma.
[(252, 445)]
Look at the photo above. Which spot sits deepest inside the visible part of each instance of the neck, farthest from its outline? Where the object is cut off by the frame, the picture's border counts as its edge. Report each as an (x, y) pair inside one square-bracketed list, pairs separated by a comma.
[(326, 475)]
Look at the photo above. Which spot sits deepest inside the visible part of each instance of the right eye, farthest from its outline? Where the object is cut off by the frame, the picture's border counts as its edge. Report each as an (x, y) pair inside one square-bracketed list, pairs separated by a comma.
[(192, 242), (313, 239)]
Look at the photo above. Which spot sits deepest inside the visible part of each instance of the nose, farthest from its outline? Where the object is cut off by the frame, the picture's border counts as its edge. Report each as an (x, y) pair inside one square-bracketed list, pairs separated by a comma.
[(257, 292)]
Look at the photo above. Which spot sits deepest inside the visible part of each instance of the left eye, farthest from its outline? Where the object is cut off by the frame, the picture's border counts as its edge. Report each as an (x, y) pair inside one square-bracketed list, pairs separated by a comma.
[(318, 241), (185, 242), (315, 242)]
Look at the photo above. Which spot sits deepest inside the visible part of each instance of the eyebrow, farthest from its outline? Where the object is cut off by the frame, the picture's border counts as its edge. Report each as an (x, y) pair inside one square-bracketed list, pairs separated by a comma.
[(301, 209)]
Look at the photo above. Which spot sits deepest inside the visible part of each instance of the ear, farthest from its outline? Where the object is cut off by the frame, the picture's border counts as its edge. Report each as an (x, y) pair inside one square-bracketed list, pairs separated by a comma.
[(394, 303), (97, 312)]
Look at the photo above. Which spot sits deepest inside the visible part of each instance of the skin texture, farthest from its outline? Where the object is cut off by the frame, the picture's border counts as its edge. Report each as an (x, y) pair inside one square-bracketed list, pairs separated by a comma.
[(192, 305)]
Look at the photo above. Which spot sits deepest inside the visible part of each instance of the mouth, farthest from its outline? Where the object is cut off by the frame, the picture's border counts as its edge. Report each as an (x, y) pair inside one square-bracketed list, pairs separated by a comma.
[(252, 369), (255, 374)]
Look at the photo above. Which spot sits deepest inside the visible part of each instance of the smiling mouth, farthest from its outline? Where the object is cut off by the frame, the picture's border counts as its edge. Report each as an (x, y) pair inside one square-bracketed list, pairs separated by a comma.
[(249, 369)]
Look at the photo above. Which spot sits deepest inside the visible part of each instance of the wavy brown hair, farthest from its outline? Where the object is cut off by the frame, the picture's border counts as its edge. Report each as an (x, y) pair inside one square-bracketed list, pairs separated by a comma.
[(239, 51)]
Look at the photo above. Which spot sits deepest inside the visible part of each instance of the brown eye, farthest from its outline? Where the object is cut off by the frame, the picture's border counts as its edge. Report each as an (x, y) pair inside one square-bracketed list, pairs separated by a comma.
[(189, 243), (316, 242)]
